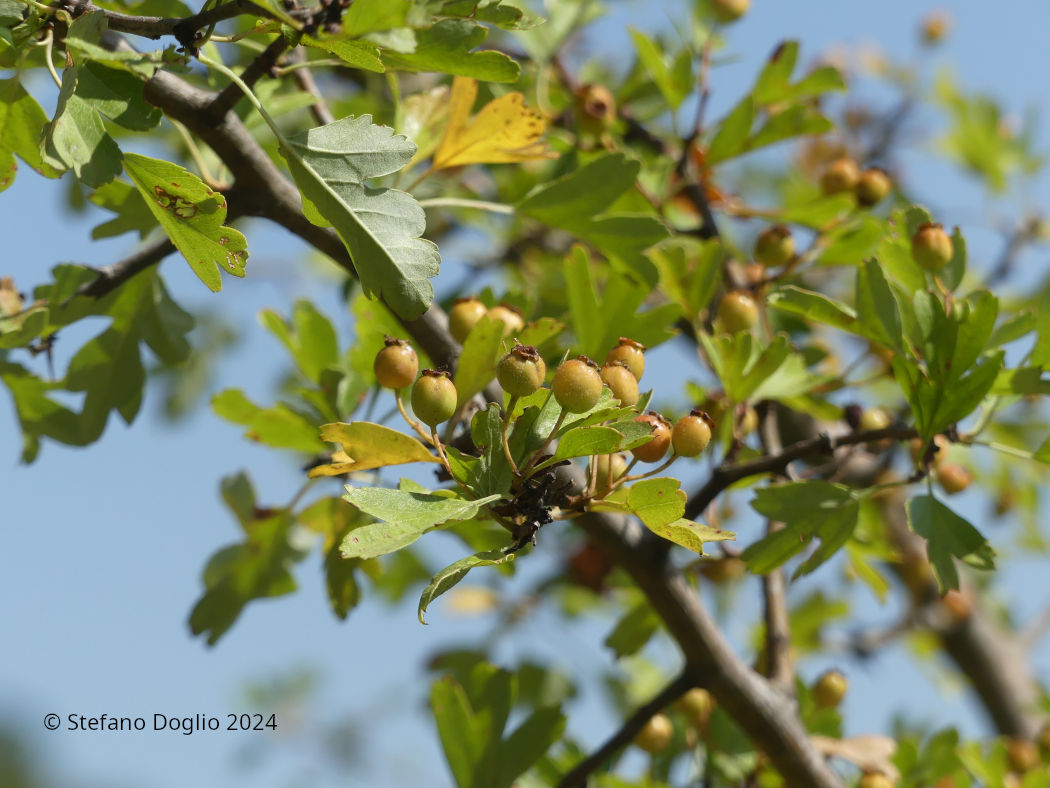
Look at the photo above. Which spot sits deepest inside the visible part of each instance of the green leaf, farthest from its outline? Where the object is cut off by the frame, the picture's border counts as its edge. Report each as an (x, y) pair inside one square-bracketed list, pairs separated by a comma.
[(280, 426), (21, 330), (347, 46), (691, 535), (39, 415), (462, 737), (22, 122), (731, 138), (133, 214), (453, 573), (1023, 381), (76, 139), (583, 193), (948, 536), (192, 215), (814, 306), (477, 362), (446, 48), (527, 744), (876, 306), (491, 474), (633, 631), (380, 227), (854, 241), (116, 94), (406, 516), (656, 502), (674, 83), (818, 509)]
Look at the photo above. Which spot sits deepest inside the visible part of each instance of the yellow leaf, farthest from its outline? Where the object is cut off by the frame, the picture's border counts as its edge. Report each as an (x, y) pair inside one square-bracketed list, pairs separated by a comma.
[(504, 131), (367, 446)]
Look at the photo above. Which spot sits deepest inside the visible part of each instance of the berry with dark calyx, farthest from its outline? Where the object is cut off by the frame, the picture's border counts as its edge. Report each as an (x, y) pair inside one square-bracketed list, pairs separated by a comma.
[(631, 353), (596, 108), (521, 371), (697, 705), (841, 175), (727, 11), (774, 246), (656, 734), (931, 247), (830, 689), (655, 449), (621, 382), (737, 312), (510, 316), (610, 468), (463, 316), (434, 397), (872, 186), (577, 384), (953, 478), (692, 433), (875, 780), (396, 364)]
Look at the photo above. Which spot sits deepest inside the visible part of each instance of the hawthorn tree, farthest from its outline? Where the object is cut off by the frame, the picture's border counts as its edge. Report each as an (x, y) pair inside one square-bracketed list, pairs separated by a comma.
[(850, 368)]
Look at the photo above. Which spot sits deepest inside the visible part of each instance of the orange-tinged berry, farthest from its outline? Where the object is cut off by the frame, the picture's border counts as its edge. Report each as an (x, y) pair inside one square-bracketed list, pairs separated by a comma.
[(875, 780), (692, 433), (655, 449), (774, 246), (396, 364), (953, 478), (841, 175), (872, 186), (510, 316), (656, 734), (521, 371), (931, 247)]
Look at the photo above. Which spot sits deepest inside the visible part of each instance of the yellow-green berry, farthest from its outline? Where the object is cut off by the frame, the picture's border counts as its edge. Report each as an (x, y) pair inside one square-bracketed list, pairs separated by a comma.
[(396, 364), (577, 384), (434, 397)]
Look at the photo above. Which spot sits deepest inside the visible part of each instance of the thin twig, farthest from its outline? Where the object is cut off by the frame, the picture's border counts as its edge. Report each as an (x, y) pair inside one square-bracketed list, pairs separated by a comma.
[(304, 77), (632, 725)]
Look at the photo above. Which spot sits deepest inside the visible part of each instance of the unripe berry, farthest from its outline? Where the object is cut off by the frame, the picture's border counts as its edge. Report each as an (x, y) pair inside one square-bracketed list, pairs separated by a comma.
[(697, 705), (931, 247), (691, 433), (510, 316), (434, 397), (656, 734), (872, 186), (841, 175), (736, 312), (630, 353), (875, 780), (610, 467), (774, 246), (521, 371), (463, 316), (727, 11), (953, 478), (577, 384), (875, 419), (830, 689), (596, 108), (396, 364), (655, 449), (935, 27), (621, 382), (1022, 754)]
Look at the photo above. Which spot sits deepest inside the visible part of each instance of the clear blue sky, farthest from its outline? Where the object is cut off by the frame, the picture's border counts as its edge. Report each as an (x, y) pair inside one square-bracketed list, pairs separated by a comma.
[(104, 546)]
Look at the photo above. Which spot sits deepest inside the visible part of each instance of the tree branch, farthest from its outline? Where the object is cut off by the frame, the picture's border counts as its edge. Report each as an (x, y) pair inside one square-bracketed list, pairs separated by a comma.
[(113, 276), (262, 65), (724, 476), (184, 29), (577, 777)]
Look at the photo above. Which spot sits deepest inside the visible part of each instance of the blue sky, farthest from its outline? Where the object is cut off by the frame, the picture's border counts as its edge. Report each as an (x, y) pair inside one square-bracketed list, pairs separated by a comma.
[(104, 546)]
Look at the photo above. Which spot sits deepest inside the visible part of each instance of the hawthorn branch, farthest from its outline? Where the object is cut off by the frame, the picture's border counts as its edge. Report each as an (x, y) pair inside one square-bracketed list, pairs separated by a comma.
[(727, 475), (577, 777), (305, 79), (111, 277), (184, 29), (262, 65)]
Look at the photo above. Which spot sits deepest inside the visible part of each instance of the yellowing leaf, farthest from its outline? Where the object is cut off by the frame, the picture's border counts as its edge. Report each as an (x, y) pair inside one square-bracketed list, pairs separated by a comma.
[(368, 445), (504, 131)]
